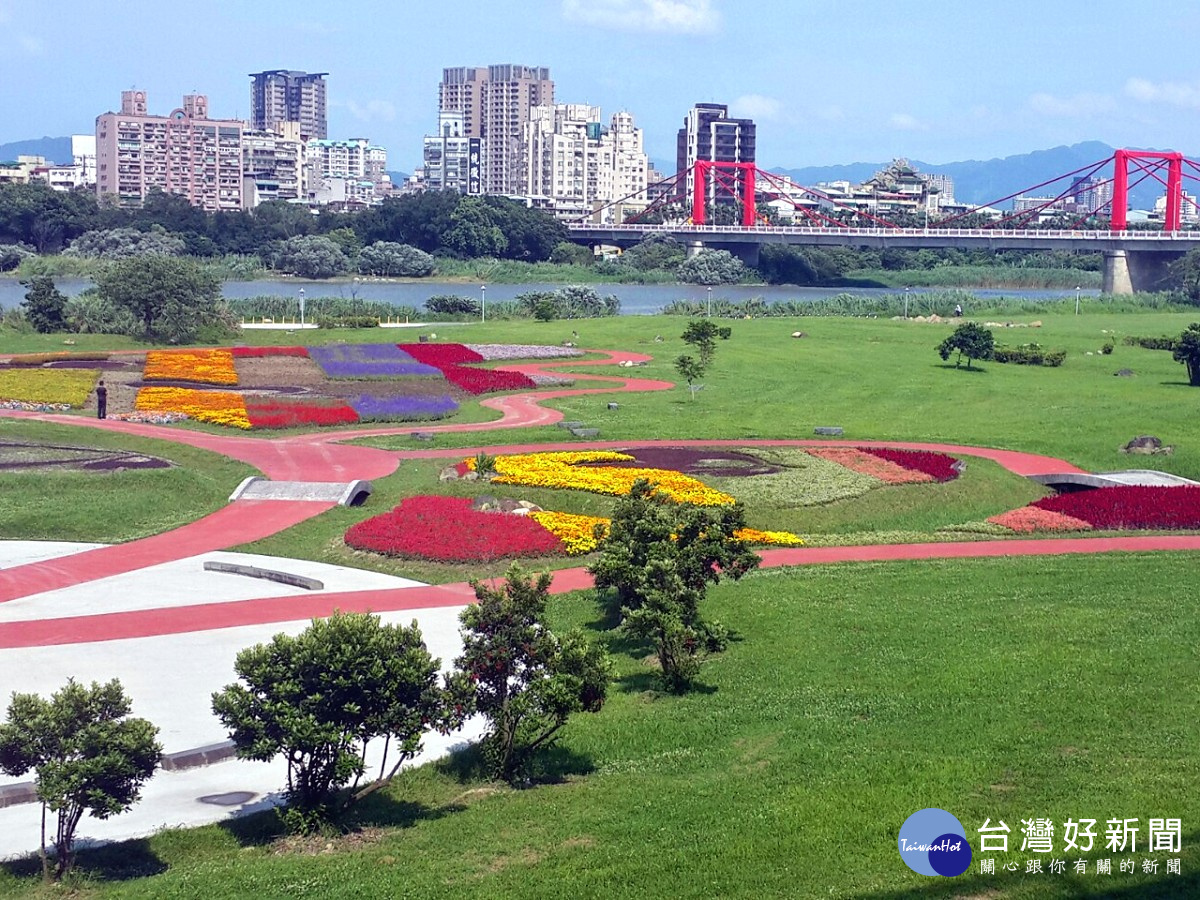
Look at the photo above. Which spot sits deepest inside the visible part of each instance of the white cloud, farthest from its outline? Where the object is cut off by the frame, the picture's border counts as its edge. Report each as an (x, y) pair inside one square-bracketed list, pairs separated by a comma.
[(755, 106), (1077, 106), (675, 16), (905, 122), (371, 111), (1172, 93)]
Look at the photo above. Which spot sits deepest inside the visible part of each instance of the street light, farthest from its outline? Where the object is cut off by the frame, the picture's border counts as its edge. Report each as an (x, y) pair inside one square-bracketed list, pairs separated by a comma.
[(1076, 299), (906, 303), (709, 289), (301, 307), (483, 303)]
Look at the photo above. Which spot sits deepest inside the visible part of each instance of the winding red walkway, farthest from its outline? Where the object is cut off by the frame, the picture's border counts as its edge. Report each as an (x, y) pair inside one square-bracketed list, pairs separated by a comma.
[(320, 457)]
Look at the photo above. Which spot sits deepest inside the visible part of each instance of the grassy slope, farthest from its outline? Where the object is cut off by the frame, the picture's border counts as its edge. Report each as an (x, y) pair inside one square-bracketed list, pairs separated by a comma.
[(109, 507), (1000, 689)]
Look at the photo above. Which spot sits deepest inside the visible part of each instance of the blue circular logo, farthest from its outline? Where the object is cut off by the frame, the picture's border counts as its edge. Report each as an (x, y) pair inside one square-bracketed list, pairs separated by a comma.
[(933, 842)]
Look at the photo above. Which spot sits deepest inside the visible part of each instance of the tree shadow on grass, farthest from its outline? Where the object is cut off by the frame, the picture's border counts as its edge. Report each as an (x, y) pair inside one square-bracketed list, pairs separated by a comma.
[(553, 765), (974, 370), (123, 861)]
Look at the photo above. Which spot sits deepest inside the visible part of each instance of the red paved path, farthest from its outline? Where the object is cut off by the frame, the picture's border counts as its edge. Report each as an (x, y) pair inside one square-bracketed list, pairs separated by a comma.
[(317, 457)]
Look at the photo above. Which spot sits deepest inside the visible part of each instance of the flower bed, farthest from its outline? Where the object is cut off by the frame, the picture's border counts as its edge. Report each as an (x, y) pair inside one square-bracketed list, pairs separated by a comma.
[(1029, 519), (26, 406), (201, 366), (576, 532), (278, 412), (151, 418), (367, 361), (216, 407), (563, 470), (61, 387), (401, 407), (449, 359), (871, 465), (494, 352), (1130, 507), (937, 466), (446, 529), (260, 352)]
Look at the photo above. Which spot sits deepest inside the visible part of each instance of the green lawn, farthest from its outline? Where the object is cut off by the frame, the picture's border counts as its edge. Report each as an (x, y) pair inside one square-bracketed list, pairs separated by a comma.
[(110, 507), (858, 694)]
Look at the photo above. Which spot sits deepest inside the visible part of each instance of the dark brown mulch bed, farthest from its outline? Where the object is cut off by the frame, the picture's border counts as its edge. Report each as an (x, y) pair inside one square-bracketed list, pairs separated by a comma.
[(696, 461)]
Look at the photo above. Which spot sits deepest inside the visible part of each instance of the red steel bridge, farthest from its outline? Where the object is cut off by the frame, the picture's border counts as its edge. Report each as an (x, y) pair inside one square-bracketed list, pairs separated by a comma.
[(1134, 259)]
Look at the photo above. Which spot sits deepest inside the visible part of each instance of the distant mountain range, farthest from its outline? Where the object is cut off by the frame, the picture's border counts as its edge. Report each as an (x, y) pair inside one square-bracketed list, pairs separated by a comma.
[(975, 181)]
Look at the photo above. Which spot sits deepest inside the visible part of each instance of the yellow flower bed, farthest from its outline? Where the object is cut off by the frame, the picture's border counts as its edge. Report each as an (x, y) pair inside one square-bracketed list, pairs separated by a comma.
[(70, 386), (775, 538), (562, 470), (576, 532), (218, 407), (203, 366)]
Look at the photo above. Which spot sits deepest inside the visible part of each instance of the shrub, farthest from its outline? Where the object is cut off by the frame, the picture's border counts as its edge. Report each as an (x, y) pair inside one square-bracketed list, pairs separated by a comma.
[(1031, 355), (398, 260), (347, 321), (1151, 343), (125, 243), (452, 305), (712, 267), (310, 256)]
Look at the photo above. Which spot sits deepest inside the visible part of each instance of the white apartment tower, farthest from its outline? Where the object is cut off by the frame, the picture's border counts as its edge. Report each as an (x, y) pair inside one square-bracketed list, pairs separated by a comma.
[(452, 160)]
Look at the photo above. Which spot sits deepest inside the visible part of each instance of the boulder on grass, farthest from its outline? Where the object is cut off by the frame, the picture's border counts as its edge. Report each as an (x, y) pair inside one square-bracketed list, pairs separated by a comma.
[(1147, 444)]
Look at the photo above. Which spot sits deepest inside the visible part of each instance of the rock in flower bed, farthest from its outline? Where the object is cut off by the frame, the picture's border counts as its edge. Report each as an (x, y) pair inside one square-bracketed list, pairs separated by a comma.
[(446, 529), (1125, 508), (449, 359), (495, 352), (200, 366), (56, 387), (367, 361)]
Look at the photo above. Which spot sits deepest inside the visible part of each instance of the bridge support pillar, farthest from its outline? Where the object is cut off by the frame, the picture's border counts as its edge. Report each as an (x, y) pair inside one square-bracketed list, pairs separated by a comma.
[(1136, 271), (694, 248), (747, 253)]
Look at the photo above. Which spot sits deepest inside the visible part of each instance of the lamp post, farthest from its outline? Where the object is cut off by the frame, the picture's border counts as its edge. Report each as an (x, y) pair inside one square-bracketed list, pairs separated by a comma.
[(301, 307), (906, 303), (709, 290), (1076, 299), (482, 303)]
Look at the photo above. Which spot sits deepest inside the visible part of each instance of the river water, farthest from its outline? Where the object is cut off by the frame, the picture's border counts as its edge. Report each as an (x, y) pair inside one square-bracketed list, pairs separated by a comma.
[(636, 299)]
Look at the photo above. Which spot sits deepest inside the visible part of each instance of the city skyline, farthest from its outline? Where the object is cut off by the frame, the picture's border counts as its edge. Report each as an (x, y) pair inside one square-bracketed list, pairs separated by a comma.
[(935, 84)]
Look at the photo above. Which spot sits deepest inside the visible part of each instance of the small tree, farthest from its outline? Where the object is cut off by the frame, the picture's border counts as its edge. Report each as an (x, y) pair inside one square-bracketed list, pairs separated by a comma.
[(528, 681), (1187, 351), (398, 260), (690, 370), (452, 304), (45, 305), (171, 299), (971, 341), (712, 267), (311, 256), (702, 334), (321, 697), (90, 757), (660, 557)]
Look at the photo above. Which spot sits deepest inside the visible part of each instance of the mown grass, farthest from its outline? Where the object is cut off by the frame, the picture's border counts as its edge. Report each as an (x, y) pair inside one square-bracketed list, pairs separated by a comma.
[(856, 695), (110, 507)]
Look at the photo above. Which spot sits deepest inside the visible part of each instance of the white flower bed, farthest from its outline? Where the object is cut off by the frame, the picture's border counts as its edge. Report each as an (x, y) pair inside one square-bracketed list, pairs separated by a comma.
[(523, 351)]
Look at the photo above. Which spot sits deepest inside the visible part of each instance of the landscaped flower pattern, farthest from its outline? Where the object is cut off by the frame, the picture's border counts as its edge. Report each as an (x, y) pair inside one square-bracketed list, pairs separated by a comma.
[(401, 407), (865, 463), (216, 407), (449, 359), (446, 529), (200, 366), (566, 470), (284, 412), (260, 352), (1029, 519), (493, 352), (367, 361), (938, 466), (577, 532), (68, 387)]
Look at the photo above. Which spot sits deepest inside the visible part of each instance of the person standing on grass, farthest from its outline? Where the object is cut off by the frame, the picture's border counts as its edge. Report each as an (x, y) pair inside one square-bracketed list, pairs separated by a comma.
[(101, 400)]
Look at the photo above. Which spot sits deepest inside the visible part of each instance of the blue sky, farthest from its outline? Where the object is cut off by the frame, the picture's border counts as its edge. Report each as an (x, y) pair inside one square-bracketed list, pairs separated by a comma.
[(828, 81)]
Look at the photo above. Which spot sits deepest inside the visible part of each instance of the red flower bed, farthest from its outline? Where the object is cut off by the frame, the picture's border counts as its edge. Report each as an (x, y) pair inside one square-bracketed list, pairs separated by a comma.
[(273, 412), (446, 529), (1129, 508), (936, 465), (450, 357), (259, 352)]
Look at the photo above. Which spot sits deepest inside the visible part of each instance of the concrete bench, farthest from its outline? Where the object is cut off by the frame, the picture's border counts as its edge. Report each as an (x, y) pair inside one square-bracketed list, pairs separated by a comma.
[(829, 430)]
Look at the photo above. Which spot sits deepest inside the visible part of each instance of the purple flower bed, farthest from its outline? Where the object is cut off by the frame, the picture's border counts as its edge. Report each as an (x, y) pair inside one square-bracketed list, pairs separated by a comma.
[(401, 408), (522, 351), (367, 361)]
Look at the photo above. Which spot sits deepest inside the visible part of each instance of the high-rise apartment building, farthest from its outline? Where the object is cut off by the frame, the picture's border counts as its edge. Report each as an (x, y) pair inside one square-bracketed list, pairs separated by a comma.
[(184, 153), (283, 95), (630, 166), (708, 133), (356, 158), (273, 164), (495, 103), (453, 161)]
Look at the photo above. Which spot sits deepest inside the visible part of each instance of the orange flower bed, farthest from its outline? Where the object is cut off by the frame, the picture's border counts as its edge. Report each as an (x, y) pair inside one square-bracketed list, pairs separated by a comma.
[(201, 366), (1028, 519), (217, 407), (868, 464)]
